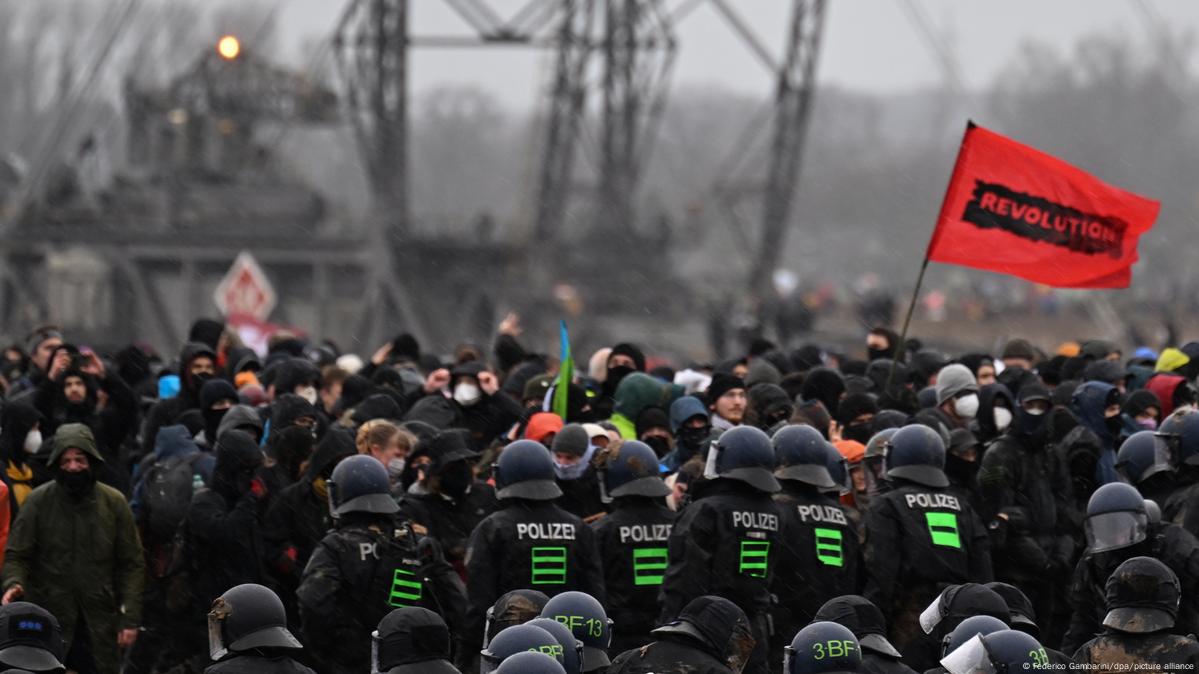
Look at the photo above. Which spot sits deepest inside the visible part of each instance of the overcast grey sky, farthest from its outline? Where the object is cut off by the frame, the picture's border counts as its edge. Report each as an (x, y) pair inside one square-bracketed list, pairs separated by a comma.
[(869, 45)]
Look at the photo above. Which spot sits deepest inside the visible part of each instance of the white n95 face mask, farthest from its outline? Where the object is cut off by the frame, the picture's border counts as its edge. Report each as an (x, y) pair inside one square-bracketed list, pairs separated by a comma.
[(966, 406)]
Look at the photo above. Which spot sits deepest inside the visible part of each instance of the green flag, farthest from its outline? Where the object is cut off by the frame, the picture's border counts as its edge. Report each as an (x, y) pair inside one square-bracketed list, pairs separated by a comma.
[(566, 374)]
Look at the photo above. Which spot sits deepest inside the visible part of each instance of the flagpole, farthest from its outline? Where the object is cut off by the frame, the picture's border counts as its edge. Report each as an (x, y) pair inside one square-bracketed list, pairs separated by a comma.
[(907, 320)]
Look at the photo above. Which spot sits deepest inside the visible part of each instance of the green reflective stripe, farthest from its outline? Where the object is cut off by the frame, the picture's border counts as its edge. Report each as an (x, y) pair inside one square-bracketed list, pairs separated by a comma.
[(548, 566), (943, 527), (828, 547), (405, 589), (649, 566), (754, 558)]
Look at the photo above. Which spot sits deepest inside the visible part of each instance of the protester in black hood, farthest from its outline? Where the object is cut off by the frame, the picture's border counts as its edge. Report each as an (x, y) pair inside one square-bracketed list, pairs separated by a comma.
[(207, 332), (216, 399), (450, 502), (1142, 411), (825, 385), (20, 438), (298, 517), (855, 414), (222, 531), (653, 428), (881, 343), (623, 360), (197, 364), (241, 418), (996, 409), (768, 406), (297, 376), (292, 435)]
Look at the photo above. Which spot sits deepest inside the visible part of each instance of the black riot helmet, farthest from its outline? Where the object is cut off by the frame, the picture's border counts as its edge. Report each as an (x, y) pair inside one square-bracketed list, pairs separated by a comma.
[(1019, 606), (526, 470), (513, 608), (917, 453), (411, 640), (1145, 454), (802, 454), (30, 637), (1003, 652), (743, 453), (530, 662), (838, 469), (1116, 518), (359, 485), (863, 618), (518, 639), (958, 602), (1154, 511), (630, 468), (247, 617), (1182, 429), (823, 648), (587, 620), (572, 648), (1142, 596), (968, 629), (717, 626)]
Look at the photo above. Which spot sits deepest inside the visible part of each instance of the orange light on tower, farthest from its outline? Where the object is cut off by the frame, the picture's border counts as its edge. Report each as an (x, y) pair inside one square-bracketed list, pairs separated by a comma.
[(228, 47)]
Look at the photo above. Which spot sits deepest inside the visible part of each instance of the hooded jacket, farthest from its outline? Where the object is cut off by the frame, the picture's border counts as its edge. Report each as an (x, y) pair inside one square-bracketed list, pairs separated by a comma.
[(240, 417), (1163, 386), (1088, 403), (167, 412), (825, 385), (16, 420), (80, 559), (984, 424), (173, 441), (636, 392)]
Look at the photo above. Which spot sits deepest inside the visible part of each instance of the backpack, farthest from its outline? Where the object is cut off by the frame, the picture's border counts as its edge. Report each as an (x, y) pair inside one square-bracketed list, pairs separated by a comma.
[(167, 492)]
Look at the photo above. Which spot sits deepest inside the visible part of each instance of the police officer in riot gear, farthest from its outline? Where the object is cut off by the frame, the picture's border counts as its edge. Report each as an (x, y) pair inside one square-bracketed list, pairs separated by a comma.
[(710, 636), (1147, 460), (518, 639), (1181, 430), (371, 563), (513, 608), (953, 606), (823, 648), (30, 638), (1002, 652), (1142, 600), (411, 640), (726, 542), (820, 557), (1117, 529), (919, 538), (632, 539), (247, 634), (587, 620), (867, 624), (529, 542), (979, 625)]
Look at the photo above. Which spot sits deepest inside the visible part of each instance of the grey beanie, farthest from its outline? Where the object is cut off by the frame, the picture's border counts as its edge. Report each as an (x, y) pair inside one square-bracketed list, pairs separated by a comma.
[(952, 380), (572, 439)]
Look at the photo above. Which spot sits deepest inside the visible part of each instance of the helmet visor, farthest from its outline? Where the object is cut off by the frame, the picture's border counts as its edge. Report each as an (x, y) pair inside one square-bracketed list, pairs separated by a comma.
[(740, 647), (970, 658), (1165, 454), (488, 663), (375, 652), (1112, 531)]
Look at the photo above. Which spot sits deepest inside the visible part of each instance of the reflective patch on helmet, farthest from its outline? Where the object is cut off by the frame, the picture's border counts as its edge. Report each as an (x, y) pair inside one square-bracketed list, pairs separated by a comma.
[(548, 566), (649, 566), (828, 547), (943, 527), (754, 558), (405, 589)]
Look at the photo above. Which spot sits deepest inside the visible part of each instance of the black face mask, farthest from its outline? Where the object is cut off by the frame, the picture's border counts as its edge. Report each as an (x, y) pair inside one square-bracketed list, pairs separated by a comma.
[(659, 444), (455, 479), (292, 446), (615, 374), (1114, 424), (959, 470), (693, 438), (874, 353), (212, 422), (1032, 428), (857, 432), (77, 485)]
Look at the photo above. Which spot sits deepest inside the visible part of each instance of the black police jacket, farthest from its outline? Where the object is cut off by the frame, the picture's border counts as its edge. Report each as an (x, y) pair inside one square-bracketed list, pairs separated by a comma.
[(668, 656), (820, 557), (633, 542), (1170, 652), (919, 536), (724, 544), (450, 522), (258, 664), (367, 567), (529, 545), (1170, 543)]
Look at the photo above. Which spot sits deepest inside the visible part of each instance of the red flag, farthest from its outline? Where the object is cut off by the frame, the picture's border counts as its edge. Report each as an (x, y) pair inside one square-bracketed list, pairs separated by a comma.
[(1015, 210)]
